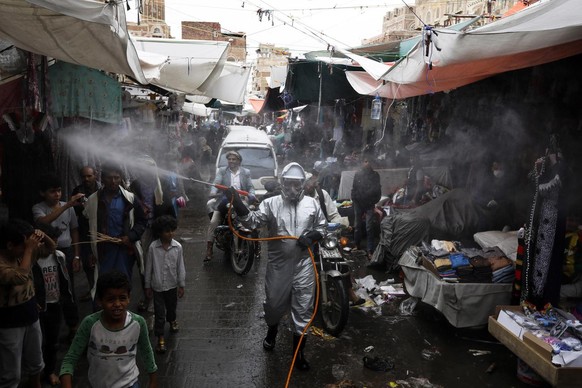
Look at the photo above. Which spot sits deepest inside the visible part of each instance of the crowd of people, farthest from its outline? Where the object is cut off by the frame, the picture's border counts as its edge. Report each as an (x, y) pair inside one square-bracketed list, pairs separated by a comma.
[(106, 229)]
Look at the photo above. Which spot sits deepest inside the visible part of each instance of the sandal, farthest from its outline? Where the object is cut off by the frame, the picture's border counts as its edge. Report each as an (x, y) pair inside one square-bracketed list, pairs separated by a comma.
[(161, 348), (52, 379)]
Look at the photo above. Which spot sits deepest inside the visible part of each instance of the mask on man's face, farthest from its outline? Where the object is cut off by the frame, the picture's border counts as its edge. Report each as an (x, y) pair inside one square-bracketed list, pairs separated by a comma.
[(292, 189), (498, 173)]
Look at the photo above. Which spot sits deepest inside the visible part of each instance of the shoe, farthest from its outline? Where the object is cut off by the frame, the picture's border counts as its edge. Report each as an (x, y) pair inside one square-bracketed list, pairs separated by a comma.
[(300, 361), (52, 380), (174, 327), (209, 248), (271, 338), (161, 347)]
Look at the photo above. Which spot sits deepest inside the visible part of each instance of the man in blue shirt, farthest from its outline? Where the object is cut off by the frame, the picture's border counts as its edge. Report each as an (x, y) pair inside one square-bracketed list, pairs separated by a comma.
[(116, 213)]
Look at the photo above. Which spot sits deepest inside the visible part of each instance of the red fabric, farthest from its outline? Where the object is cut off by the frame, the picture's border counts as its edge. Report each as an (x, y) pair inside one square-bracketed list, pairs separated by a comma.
[(10, 99)]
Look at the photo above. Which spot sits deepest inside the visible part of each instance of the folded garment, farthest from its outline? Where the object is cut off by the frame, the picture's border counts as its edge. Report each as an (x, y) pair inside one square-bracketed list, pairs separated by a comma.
[(499, 262), (492, 252), (443, 264), (458, 260), (479, 261)]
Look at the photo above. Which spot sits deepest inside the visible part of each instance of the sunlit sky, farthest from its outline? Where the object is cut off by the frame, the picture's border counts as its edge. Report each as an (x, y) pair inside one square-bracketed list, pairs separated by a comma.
[(299, 25)]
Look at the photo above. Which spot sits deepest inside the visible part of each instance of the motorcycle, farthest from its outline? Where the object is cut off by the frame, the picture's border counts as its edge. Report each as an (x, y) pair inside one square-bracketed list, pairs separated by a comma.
[(239, 252), (334, 278)]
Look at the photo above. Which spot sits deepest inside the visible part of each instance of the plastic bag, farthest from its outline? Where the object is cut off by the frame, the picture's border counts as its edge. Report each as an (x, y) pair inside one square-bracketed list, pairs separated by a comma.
[(408, 305)]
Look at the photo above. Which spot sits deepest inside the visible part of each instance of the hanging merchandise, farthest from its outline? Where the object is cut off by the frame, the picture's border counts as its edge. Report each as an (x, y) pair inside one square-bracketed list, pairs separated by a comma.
[(376, 108)]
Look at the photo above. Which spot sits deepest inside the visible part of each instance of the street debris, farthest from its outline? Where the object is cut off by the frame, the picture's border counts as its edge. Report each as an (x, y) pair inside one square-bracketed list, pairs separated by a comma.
[(231, 304), (430, 354), (316, 331), (477, 352), (378, 363), (369, 348), (408, 305), (239, 286), (417, 382)]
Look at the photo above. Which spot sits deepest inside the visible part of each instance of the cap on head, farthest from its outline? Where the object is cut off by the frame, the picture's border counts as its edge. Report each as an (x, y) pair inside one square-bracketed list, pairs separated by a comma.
[(234, 153)]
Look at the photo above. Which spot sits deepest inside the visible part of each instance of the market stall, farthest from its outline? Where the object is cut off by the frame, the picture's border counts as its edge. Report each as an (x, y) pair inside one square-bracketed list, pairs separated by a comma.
[(462, 304)]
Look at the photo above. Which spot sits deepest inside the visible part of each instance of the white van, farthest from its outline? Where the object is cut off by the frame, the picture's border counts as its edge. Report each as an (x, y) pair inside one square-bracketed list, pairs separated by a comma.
[(256, 149)]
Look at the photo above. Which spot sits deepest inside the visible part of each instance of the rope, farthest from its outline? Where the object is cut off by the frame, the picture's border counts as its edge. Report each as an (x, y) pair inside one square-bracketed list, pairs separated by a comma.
[(232, 229)]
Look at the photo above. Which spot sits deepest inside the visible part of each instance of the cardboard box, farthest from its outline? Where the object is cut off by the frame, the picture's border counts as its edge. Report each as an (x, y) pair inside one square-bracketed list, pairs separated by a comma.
[(534, 352)]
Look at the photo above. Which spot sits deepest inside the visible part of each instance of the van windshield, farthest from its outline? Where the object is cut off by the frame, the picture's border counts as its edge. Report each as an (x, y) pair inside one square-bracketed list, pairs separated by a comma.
[(260, 161)]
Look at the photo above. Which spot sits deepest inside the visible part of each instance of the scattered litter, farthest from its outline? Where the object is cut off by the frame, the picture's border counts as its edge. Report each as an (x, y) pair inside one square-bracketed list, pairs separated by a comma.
[(231, 304), (320, 333), (491, 368), (391, 290), (342, 384), (393, 384), (368, 349), (386, 282), (239, 286), (408, 305), (430, 354), (368, 282), (379, 300), (477, 352), (417, 382), (378, 363)]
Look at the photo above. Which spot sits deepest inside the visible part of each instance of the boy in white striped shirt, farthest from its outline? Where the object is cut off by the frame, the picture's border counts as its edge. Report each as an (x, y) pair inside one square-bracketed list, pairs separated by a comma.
[(165, 276)]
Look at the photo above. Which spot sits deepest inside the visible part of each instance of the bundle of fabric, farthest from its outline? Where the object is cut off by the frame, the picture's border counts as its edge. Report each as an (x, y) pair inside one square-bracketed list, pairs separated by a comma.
[(481, 269), (503, 269)]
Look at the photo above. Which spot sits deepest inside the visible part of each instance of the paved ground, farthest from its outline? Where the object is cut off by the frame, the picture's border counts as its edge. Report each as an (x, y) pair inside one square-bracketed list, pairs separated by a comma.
[(219, 344)]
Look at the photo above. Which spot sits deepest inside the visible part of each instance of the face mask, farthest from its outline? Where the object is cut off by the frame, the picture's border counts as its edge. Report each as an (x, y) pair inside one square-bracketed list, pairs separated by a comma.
[(498, 173), (292, 190)]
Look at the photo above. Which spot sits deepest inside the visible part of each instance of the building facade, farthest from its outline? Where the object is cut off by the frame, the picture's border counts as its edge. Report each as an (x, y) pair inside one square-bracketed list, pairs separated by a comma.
[(152, 20), (268, 56), (406, 22), (237, 50)]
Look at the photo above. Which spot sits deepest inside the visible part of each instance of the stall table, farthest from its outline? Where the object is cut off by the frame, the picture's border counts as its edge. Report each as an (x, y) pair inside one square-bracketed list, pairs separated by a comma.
[(462, 304)]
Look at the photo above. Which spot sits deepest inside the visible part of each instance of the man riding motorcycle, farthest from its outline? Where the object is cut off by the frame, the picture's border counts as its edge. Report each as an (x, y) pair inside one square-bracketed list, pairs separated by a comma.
[(232, 175), (290, 280)]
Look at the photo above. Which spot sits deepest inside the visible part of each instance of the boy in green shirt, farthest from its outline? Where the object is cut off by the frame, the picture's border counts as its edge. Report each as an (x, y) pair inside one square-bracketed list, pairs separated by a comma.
[(112, 337)]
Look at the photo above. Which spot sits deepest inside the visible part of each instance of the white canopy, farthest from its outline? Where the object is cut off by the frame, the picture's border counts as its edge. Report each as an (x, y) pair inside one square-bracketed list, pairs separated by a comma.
[(544, 32), (197, 67), (82, 32)]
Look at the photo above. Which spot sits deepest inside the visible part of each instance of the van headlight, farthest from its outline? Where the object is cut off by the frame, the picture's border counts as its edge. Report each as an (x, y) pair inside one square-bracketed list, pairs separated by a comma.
[(330, 242)]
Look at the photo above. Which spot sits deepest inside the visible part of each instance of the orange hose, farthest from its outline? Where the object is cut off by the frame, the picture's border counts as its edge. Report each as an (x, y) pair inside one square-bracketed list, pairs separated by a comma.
[(316, 282)]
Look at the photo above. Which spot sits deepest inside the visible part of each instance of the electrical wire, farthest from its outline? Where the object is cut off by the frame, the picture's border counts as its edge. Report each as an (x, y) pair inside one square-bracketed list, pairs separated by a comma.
[(259, 239)]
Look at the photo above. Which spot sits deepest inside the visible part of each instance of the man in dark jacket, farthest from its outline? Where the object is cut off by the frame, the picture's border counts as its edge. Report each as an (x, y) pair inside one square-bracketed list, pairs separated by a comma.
[(366, 192)]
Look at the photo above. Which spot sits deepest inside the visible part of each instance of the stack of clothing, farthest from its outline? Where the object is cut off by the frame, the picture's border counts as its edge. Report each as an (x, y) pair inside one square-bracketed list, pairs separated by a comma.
[(469, 265), (503, 269), (482, 272), (444, 266)]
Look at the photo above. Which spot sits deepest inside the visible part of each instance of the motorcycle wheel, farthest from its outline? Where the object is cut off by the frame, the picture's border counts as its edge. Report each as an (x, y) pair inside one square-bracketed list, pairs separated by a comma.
[(334, 313), (240, 259)]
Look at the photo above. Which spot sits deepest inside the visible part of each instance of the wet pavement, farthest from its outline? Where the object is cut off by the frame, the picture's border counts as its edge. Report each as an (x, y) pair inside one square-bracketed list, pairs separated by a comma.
[(222, 327)]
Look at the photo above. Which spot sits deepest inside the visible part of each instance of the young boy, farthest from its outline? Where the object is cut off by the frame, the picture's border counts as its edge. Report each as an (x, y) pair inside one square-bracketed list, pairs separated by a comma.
[(165, 276), (112, 337), (62, 216), (20, 334), (53, 295)]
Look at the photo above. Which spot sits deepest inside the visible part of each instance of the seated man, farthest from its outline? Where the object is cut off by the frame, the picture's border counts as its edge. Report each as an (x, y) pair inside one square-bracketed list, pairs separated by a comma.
[(231, 176)]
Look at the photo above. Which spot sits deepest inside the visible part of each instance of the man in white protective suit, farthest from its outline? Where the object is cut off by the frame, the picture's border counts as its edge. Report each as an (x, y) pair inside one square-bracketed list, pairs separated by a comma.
[(290, 280)]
